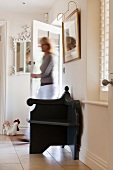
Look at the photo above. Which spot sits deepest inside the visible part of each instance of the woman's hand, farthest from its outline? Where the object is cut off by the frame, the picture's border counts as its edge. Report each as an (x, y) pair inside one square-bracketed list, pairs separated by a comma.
[(35, 75)]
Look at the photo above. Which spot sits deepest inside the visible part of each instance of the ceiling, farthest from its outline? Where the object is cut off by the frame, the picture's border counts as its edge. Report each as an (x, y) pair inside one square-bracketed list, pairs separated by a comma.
[(26, 6)]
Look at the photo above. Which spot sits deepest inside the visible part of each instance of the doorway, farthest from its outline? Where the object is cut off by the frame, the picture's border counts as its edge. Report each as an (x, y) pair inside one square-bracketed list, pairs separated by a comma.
[(39, 30), (3, 63)]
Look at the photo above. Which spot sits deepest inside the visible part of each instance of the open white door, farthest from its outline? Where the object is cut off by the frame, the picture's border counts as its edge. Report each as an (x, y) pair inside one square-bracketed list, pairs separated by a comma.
[(110, 99), (39, 30)]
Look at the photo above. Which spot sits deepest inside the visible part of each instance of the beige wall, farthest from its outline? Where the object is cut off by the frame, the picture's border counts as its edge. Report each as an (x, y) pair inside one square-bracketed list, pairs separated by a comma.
[(82, 76), (73, 78)]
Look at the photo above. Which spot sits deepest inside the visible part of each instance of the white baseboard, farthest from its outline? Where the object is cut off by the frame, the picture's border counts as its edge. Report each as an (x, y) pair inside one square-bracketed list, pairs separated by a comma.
[(23, 127), (92, 161)]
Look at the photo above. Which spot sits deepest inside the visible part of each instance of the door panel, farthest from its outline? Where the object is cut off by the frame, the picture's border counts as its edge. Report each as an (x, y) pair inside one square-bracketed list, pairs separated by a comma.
[(39, 30), (111, 35), (110, 95)]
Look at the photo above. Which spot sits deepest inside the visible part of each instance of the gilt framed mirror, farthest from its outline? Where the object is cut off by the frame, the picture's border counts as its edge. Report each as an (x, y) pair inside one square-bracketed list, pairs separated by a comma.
[(71, 37), (22, 52)]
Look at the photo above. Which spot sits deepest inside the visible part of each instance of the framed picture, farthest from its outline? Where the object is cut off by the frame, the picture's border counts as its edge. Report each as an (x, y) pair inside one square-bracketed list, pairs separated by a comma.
[(71, 37)]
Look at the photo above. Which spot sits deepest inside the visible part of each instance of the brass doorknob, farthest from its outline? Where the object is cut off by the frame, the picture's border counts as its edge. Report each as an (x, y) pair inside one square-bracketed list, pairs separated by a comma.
[(106, 82)]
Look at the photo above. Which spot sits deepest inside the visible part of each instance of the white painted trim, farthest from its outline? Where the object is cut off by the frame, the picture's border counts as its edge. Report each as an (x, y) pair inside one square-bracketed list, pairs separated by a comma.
[(95, 103), (91, 160), (22, 126), (3, 65)]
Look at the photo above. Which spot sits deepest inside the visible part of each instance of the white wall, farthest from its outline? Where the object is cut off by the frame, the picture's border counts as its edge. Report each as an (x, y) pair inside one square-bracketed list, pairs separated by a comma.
[(18, 87), (75, 72), (82, 76)]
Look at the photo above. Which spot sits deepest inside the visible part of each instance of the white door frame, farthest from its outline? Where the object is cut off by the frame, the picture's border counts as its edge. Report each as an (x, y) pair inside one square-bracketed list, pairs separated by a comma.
[(3, 64), (110, 98), (36, 26)]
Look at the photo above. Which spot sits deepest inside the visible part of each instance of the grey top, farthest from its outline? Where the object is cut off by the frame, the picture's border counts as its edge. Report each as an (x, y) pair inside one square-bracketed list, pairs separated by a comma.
[(47, 68)]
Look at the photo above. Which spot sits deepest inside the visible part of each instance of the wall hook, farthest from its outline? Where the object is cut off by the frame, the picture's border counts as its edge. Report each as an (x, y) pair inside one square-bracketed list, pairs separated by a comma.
[(63, 14)]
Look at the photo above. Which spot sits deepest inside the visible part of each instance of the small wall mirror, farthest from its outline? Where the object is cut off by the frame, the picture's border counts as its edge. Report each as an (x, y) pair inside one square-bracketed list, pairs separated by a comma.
[(22, 52)]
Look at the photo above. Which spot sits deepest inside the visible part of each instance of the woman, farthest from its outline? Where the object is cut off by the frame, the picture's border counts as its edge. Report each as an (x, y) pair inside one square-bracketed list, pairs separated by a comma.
[(47, 87)]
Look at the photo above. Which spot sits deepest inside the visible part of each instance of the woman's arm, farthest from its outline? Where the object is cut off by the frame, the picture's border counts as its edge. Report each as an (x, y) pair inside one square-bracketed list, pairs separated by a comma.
[(45, 68), (35, 75)]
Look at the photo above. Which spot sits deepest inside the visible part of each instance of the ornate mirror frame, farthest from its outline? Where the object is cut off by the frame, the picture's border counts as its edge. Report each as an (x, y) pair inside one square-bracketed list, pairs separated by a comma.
[(23, 39)]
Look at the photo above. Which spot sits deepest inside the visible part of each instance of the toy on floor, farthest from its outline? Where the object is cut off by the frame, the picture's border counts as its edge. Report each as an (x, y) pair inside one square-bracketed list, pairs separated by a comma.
[(11, 130)]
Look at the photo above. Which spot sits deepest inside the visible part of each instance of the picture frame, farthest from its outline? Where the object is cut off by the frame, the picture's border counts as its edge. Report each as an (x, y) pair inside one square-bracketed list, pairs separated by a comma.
[(71, 37)]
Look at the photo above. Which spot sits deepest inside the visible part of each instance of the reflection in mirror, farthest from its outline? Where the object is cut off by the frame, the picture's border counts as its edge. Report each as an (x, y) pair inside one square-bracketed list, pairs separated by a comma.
[(22, 52), (28, 56), (23, 49)]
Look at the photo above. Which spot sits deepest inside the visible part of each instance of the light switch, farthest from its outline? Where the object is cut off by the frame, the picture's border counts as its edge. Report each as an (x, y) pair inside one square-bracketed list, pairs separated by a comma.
[(64, 70)]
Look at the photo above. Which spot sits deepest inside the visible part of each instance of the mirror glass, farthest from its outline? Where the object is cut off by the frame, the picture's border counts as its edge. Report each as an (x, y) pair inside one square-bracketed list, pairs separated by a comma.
[(23, 55), (22, 52)]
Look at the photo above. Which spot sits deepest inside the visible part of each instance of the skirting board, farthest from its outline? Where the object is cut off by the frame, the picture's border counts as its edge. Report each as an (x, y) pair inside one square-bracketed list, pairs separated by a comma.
[(22, 128), (92, 161)]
